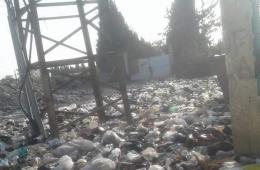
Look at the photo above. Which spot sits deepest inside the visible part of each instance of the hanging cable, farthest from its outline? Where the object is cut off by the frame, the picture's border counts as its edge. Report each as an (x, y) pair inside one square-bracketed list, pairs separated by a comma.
[(23, 80)]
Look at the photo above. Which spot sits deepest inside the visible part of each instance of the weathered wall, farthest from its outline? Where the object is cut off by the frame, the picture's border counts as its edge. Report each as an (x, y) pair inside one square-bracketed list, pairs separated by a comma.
[(156, 67), (238, 39)]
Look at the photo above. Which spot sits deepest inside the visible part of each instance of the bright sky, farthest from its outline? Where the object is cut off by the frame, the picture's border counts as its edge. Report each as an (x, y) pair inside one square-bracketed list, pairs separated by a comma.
[(146, 17)]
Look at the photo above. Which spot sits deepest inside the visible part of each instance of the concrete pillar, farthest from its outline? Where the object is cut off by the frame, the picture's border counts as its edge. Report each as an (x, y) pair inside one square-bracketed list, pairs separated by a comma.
[(240, 62)]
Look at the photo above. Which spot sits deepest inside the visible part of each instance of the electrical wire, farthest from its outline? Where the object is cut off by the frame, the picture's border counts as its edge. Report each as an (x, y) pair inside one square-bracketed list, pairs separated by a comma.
[(10, 7), (21, 91)]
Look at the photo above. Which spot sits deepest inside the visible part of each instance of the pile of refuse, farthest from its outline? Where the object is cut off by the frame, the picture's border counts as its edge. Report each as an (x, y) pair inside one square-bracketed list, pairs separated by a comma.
[(178, 125), (8, 95)]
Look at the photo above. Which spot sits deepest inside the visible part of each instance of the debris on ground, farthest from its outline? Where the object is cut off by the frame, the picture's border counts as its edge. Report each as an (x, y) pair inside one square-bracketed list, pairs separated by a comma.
[(8, 95), (179, 125)]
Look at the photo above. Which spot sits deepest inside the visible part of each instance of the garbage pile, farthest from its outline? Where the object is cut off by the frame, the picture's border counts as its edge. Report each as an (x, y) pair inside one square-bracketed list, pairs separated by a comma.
[(8, 95), (179, 125)]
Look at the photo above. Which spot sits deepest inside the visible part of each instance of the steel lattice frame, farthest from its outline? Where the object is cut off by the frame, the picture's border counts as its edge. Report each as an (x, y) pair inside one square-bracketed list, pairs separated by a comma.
[(25, 27)]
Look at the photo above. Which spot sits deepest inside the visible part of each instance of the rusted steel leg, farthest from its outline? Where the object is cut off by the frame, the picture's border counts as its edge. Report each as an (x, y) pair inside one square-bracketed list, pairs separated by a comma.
[(44, 72), (28, 97), (122, 85), (94, 78)]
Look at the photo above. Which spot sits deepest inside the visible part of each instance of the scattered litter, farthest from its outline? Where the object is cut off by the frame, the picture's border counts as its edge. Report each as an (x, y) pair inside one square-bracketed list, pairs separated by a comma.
[(179, 124)]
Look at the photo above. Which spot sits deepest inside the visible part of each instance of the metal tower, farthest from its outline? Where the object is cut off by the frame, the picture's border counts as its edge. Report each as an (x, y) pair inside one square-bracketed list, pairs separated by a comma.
[(26, 29)]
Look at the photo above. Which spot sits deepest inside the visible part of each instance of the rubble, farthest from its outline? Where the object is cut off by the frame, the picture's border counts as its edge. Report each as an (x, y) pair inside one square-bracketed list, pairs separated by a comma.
[(111, 137), (64, 163), (149, 153), (156, 167), (115, 154), (80, 164), (100, 164), (133, 156), (74, 146), (8, 95), (179, 124)]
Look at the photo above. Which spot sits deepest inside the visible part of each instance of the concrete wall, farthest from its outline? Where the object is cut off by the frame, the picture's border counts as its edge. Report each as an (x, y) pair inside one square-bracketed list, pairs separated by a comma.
[(244, 101), (160, 66)]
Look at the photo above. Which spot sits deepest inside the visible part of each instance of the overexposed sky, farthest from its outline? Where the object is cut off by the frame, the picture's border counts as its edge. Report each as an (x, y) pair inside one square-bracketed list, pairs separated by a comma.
[(7, 58), (146, 17)]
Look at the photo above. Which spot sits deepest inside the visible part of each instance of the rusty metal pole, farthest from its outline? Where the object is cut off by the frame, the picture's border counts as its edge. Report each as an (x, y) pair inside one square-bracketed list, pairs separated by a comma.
[(121, 72), (28, 97), (94, 81), (44, 72)]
